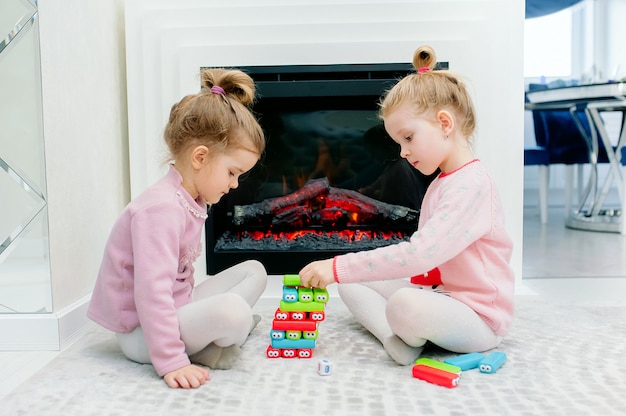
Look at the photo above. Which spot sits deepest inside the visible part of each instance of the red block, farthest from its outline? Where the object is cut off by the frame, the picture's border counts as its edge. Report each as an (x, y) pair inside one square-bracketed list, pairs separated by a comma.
[(272, 352), (288, 353), (297, 316), (305, 353), (283, 316), (436, 376), (317, 316), (294, 325)]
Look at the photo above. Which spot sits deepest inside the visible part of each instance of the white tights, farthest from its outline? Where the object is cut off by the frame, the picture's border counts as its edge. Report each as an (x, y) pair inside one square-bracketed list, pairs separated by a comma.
[(219, 314), (404, 317)]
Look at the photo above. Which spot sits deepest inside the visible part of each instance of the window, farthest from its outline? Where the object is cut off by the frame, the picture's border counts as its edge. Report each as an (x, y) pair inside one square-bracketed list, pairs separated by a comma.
[(548, 45)]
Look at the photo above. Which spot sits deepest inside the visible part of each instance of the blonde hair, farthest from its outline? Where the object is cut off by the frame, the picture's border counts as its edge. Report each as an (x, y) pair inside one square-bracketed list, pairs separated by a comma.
[(431, 90), (217, 117)]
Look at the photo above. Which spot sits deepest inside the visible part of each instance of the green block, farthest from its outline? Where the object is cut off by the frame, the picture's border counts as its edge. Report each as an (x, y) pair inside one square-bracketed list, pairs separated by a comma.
[(310, 334), (320, 295), (301, 306), (291, 280), (293, 335), (438, 364), (305, 294)]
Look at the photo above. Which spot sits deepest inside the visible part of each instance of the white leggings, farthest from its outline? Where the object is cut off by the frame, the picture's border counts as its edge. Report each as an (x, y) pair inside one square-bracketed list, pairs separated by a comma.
[(219, 313), (415, 315)]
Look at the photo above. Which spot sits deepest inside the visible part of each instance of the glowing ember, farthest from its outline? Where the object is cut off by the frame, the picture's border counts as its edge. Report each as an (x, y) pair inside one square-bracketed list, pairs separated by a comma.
[(346, 235), (308, 239)]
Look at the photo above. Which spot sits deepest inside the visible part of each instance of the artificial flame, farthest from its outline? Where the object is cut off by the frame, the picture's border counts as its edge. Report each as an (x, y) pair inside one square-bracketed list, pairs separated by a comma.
[(347, 235)]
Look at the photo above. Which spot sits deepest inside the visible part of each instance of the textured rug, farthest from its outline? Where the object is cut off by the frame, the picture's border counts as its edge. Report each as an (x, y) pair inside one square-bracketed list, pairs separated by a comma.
[(561, 360)]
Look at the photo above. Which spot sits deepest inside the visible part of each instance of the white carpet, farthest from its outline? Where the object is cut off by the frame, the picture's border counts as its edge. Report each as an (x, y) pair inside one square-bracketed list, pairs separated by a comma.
[(562, 360)]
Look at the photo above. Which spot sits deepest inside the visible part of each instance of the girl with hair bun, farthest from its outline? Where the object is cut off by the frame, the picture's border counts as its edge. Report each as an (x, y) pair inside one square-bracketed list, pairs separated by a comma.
[(452, 283), (145, 290)]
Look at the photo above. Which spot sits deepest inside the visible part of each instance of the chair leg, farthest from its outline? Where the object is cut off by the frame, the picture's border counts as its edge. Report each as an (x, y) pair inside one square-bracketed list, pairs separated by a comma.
[(579, 177), (543, 193), (569, 188), (623, 219)]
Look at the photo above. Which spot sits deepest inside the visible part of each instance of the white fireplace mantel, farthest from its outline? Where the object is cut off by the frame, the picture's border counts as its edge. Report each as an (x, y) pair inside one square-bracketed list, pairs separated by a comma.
[(169, 40)]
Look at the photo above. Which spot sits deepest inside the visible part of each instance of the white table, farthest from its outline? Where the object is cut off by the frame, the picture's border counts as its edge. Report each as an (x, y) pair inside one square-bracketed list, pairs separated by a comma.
[(591, 213)]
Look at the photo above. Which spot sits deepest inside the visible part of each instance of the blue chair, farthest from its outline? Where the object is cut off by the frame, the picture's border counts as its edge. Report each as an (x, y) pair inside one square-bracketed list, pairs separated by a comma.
[(560, 135), (539, 156)]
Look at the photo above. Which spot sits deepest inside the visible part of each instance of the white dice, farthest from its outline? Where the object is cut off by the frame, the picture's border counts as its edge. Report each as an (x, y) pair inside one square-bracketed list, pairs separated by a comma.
[(324, 367)]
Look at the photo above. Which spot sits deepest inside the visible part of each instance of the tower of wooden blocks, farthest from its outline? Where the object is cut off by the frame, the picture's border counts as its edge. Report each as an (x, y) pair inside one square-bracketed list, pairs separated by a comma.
[(294, 328)]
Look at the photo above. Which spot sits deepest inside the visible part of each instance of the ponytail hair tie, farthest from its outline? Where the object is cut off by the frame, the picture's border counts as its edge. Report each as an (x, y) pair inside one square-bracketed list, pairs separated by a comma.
[(423, 69), (218, 90)]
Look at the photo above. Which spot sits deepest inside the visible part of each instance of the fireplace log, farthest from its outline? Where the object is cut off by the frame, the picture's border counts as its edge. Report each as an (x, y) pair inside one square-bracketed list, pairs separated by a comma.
[(249, 214), (293, 217), (369, 207), (316, 203)]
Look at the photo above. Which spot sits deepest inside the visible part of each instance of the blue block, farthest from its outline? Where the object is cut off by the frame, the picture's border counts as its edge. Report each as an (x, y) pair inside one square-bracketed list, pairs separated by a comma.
[(290, 294), (466, 361), (275, 334), (492, 362), (295, 344)]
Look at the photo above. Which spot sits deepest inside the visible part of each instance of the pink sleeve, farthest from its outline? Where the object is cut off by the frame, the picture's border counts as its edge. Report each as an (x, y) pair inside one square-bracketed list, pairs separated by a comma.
[(335, 270), (461, 214), (156, 234)]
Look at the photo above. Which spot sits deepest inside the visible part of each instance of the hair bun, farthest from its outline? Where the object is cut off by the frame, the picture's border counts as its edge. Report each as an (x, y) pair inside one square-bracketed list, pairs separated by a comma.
[(424, 57), (235, 83)]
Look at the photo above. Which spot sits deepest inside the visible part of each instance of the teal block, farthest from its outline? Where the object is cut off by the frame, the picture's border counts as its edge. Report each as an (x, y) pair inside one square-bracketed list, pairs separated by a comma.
[(466, 361), (297, 344)]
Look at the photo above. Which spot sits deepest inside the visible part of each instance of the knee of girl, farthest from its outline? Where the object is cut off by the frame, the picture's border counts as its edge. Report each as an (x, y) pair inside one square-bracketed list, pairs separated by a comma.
[(235, 307), (398, 304), (256, 269), (351, 292), (401, 312), (133, 349), (237, 315)]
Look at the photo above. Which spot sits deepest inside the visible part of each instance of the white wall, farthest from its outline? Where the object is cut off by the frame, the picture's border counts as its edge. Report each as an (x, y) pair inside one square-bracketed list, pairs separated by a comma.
[(85, 133), (615, 32), (168, 41)]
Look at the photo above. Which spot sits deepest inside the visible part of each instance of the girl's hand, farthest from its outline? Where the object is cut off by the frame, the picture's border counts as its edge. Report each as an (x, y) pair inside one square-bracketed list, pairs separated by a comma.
[(317, 274), (188, 377)]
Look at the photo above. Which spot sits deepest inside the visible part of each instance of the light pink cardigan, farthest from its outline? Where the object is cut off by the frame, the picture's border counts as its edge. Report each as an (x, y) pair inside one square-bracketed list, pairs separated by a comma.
[(461, 231), (147, 269)]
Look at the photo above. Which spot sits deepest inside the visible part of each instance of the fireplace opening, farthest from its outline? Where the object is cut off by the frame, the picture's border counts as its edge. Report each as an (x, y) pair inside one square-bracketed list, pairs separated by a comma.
[(331, 180)]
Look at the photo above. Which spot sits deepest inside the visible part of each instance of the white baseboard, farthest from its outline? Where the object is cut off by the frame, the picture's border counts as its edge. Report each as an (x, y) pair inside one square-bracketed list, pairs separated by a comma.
[(44, 331)]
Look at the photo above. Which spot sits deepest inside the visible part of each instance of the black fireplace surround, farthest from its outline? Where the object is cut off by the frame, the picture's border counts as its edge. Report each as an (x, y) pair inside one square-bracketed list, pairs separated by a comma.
[(322, 133)]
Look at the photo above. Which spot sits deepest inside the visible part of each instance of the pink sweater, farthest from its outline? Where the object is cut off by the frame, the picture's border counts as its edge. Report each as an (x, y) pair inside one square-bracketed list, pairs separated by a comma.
[(461, 232), (147, 269)]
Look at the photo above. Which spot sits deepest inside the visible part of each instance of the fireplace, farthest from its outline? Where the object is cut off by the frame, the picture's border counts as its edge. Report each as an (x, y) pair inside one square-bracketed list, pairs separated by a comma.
[(331, 180)]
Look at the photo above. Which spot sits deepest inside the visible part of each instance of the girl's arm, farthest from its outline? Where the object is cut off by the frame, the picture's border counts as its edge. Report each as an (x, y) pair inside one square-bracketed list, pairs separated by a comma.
[(318, 274), (461, 213), (156, 235), (190, 376)]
